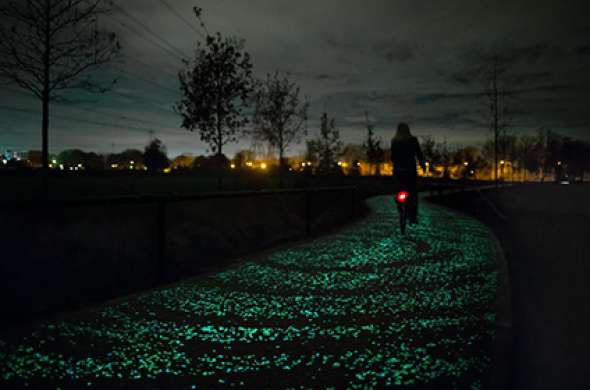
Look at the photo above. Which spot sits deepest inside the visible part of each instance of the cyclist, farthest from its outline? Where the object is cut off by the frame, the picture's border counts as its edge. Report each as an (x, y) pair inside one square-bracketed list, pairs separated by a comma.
[(405, 149)]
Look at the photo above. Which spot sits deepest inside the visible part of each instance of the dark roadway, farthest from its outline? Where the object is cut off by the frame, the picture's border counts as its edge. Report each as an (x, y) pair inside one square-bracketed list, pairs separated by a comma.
[(545, 233)]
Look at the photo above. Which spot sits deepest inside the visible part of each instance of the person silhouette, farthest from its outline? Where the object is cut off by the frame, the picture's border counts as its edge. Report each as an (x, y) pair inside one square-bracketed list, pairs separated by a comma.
[(405, 149)]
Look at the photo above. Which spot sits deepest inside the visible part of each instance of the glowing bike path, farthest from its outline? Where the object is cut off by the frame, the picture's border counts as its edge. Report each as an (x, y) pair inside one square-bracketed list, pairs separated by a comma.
[(360, 308)]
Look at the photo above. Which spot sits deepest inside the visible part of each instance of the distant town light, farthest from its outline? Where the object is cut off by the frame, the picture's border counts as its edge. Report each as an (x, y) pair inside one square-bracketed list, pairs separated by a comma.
[(61, 167), (427, 164), (131, 162), (358, 164), (502, 162), (114, 166), (54, 161), (233, 166), (559, 163), (4, 161), (263, 166), (80, 166), (467, 164), (250, 163)]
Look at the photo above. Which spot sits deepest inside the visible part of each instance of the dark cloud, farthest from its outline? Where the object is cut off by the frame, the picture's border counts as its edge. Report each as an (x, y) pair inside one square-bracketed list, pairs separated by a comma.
[(398, 52), (398, 59), (529, 78), (434, 97)]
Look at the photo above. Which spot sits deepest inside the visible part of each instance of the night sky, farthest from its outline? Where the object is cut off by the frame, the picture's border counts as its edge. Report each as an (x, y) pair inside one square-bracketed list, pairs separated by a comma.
[(400, 60)]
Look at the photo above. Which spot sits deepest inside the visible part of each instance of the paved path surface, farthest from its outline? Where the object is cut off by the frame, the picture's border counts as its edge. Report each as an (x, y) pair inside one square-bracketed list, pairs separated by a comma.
[(545, 233), (360, 308)]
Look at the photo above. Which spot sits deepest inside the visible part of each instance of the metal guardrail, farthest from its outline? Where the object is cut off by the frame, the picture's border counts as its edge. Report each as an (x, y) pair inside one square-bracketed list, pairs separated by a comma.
[(162, 201)]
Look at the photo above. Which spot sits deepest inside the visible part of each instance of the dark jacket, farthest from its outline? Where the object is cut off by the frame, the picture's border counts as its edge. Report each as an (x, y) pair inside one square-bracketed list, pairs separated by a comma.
[(404, 154)]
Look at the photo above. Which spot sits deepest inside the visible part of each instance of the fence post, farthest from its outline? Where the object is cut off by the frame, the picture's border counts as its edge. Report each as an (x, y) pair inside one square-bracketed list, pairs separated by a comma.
[(307, 212), (161, 239)]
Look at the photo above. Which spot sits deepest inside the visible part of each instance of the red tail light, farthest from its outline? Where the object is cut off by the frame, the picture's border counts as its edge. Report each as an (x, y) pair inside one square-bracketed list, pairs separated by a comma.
[(402, 196)]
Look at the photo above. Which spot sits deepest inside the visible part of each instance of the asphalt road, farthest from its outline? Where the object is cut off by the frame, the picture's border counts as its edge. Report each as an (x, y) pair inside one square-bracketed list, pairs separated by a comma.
[(545, 233)]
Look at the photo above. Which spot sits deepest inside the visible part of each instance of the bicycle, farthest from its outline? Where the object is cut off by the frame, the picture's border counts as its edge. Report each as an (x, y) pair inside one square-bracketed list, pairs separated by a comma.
[(401, 198)]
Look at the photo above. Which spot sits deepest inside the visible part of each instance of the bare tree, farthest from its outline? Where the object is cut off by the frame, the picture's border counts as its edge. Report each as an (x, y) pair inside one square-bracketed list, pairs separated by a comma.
[(490, 69), (494, 69), (49, 46), (372, 147), (280, 114), (430, 152), (327, 147)]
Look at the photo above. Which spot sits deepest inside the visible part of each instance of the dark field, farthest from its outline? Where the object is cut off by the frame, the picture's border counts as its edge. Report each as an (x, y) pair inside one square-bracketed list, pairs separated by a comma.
[(107, 184), (58, 258), (545, 231), (75, 185), (88, 185)]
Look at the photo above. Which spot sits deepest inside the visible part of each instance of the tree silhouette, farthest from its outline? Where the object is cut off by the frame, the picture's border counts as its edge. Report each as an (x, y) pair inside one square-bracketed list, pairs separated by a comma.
[(493, 72), (182, 162), (372, 146), (155, 157), (327, 147), (215, 89), (441, 156), (75, 158), (244, 156), (490, 68), (49, 46), (280, 114), (128, 159), (470, 160), (530, 153)]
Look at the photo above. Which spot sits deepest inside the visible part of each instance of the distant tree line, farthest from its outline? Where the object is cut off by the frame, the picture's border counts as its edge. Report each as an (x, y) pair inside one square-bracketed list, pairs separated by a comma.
[(223, 102), (545, 155)]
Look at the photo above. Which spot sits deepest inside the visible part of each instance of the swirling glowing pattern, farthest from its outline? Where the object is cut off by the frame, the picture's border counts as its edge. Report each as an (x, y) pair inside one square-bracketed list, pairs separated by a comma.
[(361, 308)]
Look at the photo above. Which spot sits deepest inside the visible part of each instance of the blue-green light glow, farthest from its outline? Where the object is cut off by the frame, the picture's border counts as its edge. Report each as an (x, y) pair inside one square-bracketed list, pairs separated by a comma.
[(361, 308)]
